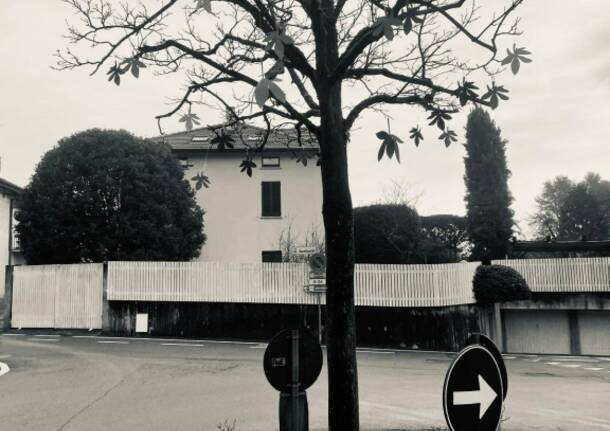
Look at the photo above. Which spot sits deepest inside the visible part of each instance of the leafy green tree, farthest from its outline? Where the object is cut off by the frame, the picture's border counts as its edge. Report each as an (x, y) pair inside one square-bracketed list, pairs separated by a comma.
[(586, 210), (444, 238), (394, 52), (104, 195), (488, 199), (569, 211), (386, 233), (548, 220)]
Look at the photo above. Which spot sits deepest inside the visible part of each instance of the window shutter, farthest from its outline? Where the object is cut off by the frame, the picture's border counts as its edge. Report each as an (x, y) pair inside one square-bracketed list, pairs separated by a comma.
[(271, 199)]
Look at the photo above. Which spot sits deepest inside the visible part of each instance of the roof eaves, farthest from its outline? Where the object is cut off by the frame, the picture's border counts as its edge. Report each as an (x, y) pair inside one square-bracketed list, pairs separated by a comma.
[(7, 186)]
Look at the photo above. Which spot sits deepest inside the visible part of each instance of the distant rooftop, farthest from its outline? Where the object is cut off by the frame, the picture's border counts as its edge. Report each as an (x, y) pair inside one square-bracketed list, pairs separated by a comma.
[(557, 246), (244, 137)]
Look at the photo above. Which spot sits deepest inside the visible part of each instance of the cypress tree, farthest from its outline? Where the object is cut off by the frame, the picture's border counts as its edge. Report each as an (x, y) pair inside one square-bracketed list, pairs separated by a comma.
[(488, 199)]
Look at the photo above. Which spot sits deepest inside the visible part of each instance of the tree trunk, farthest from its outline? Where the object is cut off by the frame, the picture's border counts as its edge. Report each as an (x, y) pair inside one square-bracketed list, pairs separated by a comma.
[(339, 229), (340, 311)]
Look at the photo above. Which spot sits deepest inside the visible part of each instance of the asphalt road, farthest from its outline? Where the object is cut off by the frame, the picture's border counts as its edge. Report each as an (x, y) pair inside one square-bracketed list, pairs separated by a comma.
[(67, 383)]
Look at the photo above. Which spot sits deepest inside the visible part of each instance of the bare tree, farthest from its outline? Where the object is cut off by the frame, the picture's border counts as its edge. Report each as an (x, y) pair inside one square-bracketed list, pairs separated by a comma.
[(388, 52), (398, 192), (290, 240)]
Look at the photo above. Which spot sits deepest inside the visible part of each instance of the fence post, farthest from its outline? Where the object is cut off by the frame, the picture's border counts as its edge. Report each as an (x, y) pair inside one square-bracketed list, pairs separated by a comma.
[(105, 305), (8, 298)]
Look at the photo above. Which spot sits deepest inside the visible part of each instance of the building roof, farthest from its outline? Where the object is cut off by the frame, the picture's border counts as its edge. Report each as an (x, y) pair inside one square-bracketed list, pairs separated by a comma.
[(244, 137), (8, 187), (558, 246)]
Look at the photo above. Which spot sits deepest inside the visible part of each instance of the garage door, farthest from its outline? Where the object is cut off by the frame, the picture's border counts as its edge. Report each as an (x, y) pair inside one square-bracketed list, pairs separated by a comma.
[(537, 331), (594, 328)]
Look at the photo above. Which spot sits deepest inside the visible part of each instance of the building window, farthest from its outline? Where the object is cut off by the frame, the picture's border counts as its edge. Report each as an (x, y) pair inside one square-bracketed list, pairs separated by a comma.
[(271, 199), (271, 162), (272, 256)]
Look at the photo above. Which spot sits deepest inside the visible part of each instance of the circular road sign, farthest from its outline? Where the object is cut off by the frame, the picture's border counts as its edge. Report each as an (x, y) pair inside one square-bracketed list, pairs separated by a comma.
[(278, 360), (486, 342), (317, 263), (472, 394)]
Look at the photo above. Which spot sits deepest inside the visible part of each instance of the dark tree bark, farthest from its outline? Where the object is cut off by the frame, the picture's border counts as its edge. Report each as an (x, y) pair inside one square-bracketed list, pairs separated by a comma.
[(339, 227), (340, 313)]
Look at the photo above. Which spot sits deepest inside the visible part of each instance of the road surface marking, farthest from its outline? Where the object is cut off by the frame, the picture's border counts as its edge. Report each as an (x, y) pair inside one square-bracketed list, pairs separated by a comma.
[(15, 335), (171, 340), (570, 365), (575, 360), (376, 352), (552, 363), (44, 339), (258, 347), (245, 343), (594, 369), (4, 368), (47, 335), (509, 357), (112, 342), (182, 344)]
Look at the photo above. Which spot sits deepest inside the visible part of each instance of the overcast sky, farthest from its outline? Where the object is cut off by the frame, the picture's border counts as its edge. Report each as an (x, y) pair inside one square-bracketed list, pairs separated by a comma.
[(557, 121)]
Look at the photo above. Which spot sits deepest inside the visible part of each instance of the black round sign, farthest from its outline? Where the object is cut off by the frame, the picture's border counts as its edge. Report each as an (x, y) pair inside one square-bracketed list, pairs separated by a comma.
[(278, 360), (486, 342), (472, 394)]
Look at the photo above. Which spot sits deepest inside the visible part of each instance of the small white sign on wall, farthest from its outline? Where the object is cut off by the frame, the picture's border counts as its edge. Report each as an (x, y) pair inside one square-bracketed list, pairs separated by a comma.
[(142, 322)]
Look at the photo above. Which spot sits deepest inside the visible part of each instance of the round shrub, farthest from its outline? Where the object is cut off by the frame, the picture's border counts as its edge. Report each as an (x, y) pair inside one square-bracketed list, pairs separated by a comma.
[(499, 283)]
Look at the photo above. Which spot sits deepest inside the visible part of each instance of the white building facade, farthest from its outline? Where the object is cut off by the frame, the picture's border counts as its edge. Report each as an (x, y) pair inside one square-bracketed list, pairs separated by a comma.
[(9, 246), (253, 219)]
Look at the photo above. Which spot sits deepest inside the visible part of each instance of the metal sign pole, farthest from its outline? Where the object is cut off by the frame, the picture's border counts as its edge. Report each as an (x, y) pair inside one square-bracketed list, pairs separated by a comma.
[(295, 379), (319, 297)]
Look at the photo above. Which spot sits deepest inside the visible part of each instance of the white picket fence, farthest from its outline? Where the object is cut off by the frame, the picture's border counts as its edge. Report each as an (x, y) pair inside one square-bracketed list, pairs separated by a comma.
[(375, 285), (208, 282), (587, 274), (70, 296), (414, 285), (57, 296)]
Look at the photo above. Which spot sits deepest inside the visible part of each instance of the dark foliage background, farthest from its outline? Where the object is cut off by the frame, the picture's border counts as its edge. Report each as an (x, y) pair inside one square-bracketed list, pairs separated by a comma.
[(396, 234), (445, 239), (386, 233), (107, 195)]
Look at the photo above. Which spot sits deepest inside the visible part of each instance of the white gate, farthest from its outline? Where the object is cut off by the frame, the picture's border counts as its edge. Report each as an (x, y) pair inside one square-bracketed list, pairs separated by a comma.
[(58, 296)]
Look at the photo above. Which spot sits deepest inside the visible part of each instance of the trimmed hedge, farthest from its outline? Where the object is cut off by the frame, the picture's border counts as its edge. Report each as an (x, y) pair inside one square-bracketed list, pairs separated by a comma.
[(499, 283)]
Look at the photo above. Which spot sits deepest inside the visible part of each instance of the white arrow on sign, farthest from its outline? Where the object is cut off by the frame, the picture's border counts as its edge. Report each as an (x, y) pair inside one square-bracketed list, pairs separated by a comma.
[(4, 368), (484, 396)]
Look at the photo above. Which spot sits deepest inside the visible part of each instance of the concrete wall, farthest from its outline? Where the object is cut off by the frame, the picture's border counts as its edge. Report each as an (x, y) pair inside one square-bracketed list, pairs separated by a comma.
[(443, 328), (540, 331), (574, 323), (594, 332), (235, 230)]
